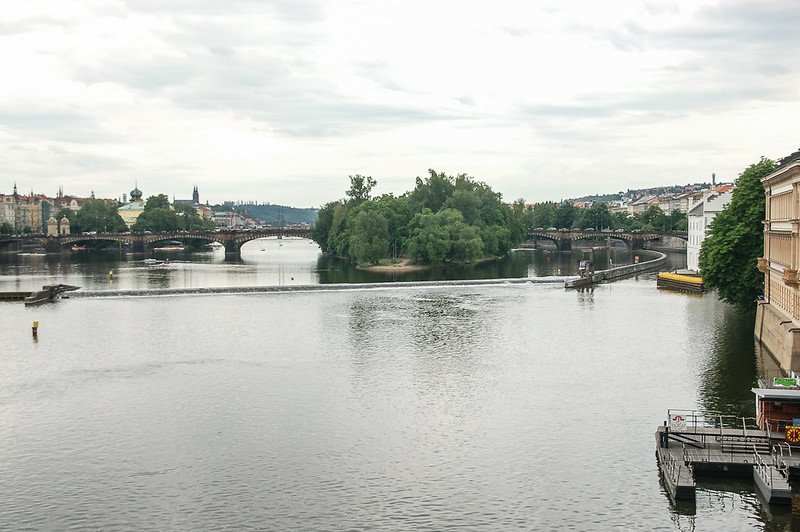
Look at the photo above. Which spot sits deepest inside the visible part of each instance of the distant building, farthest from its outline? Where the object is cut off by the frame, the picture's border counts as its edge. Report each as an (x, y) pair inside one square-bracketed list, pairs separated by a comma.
[(700, 215), (203, 210), (24, 212), (131, 211)]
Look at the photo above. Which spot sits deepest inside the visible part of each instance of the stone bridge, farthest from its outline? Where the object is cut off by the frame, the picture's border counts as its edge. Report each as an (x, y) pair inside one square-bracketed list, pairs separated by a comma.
[(564, 238), (232, 239)]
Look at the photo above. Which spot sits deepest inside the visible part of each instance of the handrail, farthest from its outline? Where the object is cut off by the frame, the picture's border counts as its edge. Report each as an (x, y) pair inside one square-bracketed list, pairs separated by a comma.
[(761, 466), (709, 419)]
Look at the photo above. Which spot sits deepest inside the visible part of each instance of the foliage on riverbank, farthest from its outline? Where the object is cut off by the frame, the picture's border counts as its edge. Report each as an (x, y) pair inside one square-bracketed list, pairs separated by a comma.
[(443, 220), (159, 216), (94, 215), (567, 216), (729, 254)]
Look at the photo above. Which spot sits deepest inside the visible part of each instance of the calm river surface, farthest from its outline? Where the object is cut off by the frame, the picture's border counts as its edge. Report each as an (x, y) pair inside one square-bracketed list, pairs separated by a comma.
[(496, 407)]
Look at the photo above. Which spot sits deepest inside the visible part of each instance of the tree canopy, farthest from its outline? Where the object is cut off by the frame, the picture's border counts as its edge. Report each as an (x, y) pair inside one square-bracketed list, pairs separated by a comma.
[(97, 215), (444, 219), (729, 253), (160, 216)]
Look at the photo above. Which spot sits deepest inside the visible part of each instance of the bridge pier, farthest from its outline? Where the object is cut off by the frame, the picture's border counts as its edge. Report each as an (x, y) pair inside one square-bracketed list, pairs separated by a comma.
[(53, 246), (564, 244), (231, 247)]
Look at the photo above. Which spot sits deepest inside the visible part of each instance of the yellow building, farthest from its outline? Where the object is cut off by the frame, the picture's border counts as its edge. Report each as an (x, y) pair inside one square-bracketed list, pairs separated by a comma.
[(131, 211), (778, 316)]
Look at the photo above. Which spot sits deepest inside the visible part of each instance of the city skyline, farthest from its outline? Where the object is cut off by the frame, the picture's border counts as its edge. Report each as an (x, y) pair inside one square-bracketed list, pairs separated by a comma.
[(283, 100)]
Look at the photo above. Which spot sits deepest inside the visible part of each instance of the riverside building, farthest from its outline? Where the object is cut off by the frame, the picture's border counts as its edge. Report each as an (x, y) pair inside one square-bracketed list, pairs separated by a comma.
[(778, 316)]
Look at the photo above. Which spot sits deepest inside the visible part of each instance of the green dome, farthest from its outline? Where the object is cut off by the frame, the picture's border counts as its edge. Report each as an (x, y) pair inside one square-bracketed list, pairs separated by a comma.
[(136, 193)]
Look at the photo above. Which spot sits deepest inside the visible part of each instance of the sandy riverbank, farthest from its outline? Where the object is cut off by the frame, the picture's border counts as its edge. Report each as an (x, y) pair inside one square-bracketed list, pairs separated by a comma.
[(402, 265)]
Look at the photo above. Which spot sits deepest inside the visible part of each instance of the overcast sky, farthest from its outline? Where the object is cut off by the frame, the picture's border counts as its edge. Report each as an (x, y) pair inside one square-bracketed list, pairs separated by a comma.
[(280, 100)]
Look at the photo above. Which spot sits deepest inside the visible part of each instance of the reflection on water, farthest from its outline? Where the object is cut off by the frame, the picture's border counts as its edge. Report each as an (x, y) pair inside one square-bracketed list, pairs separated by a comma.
[(289, 261), (428, 407)]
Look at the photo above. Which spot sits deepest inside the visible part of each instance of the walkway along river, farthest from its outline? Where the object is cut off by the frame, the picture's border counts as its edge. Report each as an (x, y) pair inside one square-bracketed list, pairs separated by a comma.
[(389, 407)]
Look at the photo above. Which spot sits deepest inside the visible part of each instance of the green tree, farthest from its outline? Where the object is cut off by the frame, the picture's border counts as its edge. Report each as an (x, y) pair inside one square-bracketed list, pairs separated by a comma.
[(370, 236), (360, 188), (620, 220), (544, 215), (189, 219), (157, 202), (322, 227), (337, 238), (565, 215), (157, 220), (432, 192), (653, 219), (98, 215), (735, 240), (441, 237), (597, 217), (6, 228), (397, 212), (678, 221)]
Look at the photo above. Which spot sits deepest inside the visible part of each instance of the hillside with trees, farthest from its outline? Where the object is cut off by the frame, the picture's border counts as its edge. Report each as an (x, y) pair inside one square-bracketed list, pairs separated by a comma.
[(567, 216), (443, 220), (270, 214)]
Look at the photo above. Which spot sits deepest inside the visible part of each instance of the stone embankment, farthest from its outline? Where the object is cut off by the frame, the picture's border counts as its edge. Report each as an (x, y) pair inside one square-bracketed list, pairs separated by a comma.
[(617, 272)]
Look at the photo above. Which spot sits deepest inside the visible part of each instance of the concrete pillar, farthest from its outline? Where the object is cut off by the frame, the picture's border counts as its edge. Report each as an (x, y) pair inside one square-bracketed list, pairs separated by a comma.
[(137, 244), (231, 247), (53, 245)]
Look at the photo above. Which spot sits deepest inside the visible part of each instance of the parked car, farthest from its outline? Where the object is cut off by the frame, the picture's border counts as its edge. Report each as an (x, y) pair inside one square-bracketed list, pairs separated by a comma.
[(589, 229), (620, 231), (552, 229)]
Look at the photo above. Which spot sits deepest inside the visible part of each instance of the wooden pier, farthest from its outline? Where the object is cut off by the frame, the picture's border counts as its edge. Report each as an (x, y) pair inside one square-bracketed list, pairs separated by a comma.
[(47, 294), (692, 443)]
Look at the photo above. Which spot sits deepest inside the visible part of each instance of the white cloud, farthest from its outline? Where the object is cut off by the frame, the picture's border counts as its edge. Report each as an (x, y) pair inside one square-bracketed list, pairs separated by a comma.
[(281, 100)]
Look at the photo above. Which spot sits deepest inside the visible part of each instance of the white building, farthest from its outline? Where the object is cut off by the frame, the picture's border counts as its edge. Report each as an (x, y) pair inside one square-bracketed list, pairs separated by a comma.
[(700, 216)]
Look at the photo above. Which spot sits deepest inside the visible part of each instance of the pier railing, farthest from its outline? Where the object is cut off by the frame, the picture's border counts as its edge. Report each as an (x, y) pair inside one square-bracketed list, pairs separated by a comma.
[(683, 419), (672, 467)]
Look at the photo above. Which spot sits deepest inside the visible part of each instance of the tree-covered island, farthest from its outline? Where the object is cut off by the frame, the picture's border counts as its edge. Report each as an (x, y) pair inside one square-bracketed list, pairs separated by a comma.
[(444, 220)]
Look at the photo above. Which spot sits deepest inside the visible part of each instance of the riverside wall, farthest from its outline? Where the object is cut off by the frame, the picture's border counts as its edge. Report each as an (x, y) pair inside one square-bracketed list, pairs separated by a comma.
[(779, 335), (618, 272)]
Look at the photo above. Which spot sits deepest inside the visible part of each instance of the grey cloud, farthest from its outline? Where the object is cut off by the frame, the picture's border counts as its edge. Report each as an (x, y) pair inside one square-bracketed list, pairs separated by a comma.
[(52, 124), (150, 74), (56, 159), (290, 10), (9, 27), (282, 93)]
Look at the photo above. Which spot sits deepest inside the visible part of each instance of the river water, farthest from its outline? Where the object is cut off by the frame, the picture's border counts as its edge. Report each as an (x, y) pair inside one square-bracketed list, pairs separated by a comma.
[(496, 407)]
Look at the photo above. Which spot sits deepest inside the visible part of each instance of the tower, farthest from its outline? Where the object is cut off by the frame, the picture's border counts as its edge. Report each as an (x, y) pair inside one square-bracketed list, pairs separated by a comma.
[(196, 196)]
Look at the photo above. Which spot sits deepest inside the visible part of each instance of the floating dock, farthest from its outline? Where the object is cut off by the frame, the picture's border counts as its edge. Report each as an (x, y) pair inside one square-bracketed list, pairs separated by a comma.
[(680, 282), (47, 294), (692, 443)]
